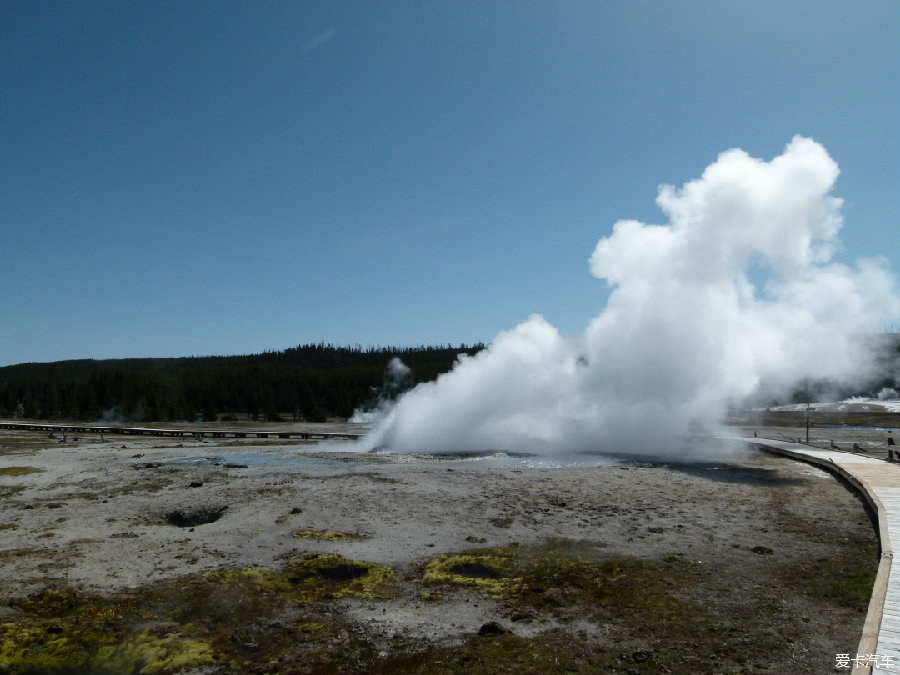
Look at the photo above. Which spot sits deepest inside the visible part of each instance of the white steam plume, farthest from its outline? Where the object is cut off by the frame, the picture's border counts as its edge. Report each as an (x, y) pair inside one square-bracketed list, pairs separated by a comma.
[(685, 330)]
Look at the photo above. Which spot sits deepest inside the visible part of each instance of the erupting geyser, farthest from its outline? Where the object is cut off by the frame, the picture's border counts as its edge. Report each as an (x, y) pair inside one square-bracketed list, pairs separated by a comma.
[(686, 330)]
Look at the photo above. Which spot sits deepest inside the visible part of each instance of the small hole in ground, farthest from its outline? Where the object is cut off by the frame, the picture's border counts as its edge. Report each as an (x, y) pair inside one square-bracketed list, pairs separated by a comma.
[(194, 517), (343, 572), (476, 571)]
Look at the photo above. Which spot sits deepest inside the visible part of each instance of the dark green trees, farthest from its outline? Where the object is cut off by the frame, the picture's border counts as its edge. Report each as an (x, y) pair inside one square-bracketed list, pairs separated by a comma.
[(310, 382)]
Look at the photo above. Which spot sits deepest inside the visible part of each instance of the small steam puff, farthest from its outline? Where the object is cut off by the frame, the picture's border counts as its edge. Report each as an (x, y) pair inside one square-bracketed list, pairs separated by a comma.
[(685, 331), (397, 380)]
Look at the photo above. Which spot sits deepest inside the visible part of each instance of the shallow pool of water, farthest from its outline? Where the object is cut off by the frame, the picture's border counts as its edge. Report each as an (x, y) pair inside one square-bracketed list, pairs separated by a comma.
[(487, 460), (254, 459)]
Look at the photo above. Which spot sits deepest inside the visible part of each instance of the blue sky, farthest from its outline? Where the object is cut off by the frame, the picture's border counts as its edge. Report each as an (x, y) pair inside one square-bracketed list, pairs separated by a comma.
[(183, 178)]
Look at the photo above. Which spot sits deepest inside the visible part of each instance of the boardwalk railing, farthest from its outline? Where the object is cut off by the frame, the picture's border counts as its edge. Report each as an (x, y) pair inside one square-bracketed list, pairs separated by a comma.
[(177, 433)]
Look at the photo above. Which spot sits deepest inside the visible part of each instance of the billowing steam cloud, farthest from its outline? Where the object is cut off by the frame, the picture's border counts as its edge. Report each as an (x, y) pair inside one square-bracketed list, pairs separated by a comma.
[(686, 329)]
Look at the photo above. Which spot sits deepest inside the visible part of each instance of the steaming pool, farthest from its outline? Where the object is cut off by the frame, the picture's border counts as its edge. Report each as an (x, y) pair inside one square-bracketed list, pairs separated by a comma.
[(499, 460), (702, 451), (706, 452)]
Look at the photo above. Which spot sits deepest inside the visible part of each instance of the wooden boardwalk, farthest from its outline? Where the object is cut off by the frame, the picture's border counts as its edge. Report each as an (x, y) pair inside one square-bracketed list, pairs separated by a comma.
[(878, 482), (177, 433)]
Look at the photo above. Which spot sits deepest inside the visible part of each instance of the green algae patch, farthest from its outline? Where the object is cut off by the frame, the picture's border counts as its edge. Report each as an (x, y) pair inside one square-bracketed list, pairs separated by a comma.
[(222, 605), (39, 649), (257, 615), (250, 578), (19, 470), (307, 578), (319, 576), (148, 653), (63, 632), (326, 535), (231, 617), (560, 574), (493, 570)]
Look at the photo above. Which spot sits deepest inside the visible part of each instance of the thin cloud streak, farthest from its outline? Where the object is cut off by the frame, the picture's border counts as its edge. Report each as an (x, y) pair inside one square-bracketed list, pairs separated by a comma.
[(319, 40)]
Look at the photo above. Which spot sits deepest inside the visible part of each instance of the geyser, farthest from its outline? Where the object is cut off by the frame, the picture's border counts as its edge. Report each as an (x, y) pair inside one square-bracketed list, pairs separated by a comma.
[(688, 327)]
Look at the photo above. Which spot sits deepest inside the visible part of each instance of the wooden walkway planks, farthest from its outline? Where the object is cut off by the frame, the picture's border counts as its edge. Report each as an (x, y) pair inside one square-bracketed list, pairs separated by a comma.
[(889, 632), (879, 483)]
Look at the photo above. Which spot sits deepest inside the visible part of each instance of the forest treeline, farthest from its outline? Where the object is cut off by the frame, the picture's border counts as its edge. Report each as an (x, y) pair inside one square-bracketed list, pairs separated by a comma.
[(310, 382)]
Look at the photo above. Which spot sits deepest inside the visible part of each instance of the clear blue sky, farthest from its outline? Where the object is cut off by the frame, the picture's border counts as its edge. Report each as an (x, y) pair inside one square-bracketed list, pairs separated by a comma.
[(183, 178)]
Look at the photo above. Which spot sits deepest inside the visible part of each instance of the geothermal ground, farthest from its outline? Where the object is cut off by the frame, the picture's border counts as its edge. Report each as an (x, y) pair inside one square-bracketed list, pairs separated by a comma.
[(143, 554)]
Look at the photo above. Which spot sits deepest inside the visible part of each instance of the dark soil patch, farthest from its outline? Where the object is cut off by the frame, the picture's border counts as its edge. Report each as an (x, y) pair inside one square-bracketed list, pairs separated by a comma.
[(194, 517), (477, 571), (343, 572)]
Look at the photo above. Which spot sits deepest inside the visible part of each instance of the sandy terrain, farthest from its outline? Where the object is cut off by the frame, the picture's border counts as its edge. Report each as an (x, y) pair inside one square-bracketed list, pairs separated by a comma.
[(759, 542)]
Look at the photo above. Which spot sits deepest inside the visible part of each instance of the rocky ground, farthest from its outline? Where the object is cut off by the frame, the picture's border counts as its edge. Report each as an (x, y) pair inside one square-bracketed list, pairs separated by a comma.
[(156, 555)]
